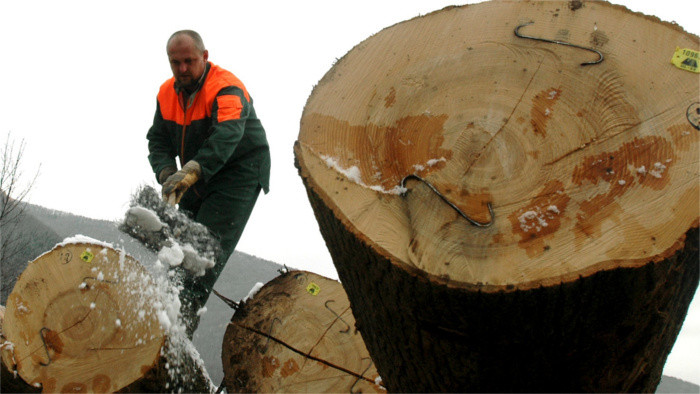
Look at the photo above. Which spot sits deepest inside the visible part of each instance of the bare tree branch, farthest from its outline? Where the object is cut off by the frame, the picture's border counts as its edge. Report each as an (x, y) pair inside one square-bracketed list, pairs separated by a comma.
[(13, 192)]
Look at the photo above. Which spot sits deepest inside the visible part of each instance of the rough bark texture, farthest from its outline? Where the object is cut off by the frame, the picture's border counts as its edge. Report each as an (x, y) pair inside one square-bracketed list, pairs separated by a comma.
[(609, 332), (568, 121), (297, 335)]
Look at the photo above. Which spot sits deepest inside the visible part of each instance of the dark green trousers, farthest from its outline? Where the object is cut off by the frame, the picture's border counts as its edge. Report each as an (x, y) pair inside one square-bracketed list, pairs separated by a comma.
[(225, 211)]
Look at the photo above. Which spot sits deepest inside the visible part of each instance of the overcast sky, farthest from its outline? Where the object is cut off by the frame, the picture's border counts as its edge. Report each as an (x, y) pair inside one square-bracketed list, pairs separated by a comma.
[(80, 80)]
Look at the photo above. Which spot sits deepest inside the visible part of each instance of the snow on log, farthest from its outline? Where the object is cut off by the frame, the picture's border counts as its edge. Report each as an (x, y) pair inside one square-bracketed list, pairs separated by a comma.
[(297, 334), (86, 317), (509, 192)]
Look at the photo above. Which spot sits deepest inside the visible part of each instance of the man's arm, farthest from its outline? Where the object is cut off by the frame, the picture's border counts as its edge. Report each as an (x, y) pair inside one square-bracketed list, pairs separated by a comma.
[(161, 152), (230, 112)]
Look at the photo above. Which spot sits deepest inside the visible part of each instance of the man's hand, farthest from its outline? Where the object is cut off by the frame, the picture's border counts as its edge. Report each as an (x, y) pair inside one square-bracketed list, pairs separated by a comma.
[(177, 184), (165, 174)]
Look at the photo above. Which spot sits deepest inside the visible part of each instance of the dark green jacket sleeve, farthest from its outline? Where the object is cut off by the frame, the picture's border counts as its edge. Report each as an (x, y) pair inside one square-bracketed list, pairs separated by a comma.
[(225, 136), (160, 146)]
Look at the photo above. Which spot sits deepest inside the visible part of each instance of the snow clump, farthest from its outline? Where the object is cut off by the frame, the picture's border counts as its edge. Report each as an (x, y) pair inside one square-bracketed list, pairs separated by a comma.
[(253, 291), (537, 219), (193, 262), (354, 174), (657, 170), (144, 218)]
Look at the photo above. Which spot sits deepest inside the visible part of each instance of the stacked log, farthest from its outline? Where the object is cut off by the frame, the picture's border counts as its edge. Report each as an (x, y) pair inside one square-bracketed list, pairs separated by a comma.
[(509, 193), (297, 335), (85, 317)]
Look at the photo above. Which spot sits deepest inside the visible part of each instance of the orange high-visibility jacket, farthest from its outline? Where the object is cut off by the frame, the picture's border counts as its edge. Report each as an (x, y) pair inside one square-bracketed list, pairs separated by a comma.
[(217, 127)]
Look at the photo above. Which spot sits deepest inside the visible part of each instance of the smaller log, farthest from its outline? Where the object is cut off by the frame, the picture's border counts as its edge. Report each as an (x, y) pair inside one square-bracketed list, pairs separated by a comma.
[(86, 317), (297, 335)]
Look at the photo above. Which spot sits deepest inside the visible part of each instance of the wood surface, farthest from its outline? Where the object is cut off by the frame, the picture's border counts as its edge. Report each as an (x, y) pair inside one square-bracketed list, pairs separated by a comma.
[(297, 335), (82, 318), (590, 259), (10, 382)]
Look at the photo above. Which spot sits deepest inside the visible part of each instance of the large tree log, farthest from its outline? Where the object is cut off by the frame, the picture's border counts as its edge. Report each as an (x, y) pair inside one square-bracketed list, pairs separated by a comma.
[(85, 317), (582, 277), (297, 335)]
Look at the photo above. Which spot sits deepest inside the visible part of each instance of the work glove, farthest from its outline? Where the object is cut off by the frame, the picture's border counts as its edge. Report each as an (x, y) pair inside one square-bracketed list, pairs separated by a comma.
[(177, 184), (165, 174)]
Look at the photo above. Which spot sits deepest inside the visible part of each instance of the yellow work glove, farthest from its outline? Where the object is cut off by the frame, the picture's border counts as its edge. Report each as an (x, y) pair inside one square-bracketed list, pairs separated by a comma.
[(165, 174), (177, 184)]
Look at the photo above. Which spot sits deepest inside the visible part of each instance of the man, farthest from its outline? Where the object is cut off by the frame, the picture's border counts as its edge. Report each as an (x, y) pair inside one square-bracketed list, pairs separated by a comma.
[(205, 117)]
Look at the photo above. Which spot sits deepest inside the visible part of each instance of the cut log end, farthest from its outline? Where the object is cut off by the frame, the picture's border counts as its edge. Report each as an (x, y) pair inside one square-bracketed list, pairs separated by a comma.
[(82, 307), (562, 152), (297, 335)]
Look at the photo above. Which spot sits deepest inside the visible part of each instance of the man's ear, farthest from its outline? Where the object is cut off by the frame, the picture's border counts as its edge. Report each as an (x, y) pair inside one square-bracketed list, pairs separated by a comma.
[(205, 54)]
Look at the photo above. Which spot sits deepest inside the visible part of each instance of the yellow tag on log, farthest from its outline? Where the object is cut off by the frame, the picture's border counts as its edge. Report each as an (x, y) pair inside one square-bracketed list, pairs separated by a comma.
[(313, 288), (686, 59), (86, 256)]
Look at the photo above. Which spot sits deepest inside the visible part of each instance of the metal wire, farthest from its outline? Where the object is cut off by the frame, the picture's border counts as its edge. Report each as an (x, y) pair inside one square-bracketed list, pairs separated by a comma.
[(518, 34), (233, 304), (43, 340), (361, 375), (337, 316), (695, 121), (436, 191), (263, 349)]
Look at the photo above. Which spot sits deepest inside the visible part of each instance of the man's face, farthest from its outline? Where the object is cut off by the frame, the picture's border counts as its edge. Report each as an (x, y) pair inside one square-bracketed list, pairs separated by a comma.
[(186, 61)]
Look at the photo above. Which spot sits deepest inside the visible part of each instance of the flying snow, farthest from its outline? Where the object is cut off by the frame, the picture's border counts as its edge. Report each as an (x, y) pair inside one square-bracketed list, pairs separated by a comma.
[(144, 218), (171, 256)]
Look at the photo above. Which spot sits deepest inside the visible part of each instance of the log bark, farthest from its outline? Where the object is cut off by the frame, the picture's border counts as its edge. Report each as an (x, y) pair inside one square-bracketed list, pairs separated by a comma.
[(297, 335), (581, 278), (83, 317)]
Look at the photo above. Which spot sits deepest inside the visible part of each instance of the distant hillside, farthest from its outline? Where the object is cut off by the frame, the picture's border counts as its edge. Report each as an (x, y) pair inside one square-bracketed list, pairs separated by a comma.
[(68, 225), (673, 385), (27, 239)]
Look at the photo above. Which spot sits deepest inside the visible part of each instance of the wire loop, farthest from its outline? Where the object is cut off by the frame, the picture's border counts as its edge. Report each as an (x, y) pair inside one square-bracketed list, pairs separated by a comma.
[(518, 34), (464, 215)]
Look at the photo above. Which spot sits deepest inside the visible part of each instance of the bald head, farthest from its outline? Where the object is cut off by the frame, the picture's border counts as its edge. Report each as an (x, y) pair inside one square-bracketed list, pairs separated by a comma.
[(180, 35), (187, 57)]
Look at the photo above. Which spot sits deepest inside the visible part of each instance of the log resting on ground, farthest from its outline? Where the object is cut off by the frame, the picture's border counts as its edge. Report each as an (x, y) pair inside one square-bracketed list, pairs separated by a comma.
[(297, 335), (84, 317)]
